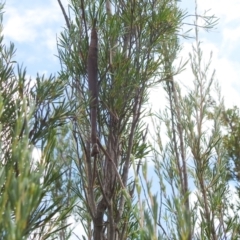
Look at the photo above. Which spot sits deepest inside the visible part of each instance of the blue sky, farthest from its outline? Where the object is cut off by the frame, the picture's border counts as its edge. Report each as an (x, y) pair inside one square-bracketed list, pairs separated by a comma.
[(223, 41), (33, 27)]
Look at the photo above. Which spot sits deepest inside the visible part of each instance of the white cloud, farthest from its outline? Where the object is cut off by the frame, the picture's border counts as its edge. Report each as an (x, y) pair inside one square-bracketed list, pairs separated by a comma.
[(228, 74), (231, 39), (224, 43), (33, 28), (37, 159), (29, 24), (227, 70), (78, 229), (228, 11), (36, 154)]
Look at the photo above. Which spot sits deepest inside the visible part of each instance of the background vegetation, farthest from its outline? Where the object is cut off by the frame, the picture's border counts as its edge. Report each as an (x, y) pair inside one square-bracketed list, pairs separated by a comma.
[(100, 162)]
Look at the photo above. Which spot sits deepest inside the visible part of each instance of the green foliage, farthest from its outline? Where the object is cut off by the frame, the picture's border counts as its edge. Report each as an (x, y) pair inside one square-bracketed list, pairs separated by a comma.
[(130, 62), (193, 198), (231, 121), (30, 114), (138, 44)]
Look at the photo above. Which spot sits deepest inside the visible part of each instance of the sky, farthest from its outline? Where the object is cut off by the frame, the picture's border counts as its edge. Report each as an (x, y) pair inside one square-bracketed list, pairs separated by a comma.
[(223, 42), (33, 27)]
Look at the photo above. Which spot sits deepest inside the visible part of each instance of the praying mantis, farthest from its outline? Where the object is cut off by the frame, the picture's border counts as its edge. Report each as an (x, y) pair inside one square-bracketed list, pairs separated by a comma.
[(92, 69)]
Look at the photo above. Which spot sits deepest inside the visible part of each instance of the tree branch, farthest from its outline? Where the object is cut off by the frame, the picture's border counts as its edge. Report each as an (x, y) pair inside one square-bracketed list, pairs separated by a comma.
[(64, 14)]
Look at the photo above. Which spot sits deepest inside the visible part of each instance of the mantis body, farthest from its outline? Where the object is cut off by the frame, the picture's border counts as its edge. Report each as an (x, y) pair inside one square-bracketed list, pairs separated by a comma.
[(92, 68)]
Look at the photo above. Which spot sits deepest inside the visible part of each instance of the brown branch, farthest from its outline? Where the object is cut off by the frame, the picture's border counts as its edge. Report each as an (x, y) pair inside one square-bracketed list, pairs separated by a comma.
[(84, 17), (182, 150), (174, 137), (136, 115), (92, 67), (113, 163), (144, 137), (89, 194), (64, 14)]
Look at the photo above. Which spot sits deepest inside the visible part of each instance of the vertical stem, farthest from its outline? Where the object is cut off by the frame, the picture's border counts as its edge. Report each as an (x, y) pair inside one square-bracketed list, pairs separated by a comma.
[(170, 89), (180, 154), (92, 67), (183, 155)]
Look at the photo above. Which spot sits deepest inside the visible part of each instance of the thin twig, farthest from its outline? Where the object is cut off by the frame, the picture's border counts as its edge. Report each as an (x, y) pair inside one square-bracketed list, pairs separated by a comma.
[(64, 14), (114, 165)]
